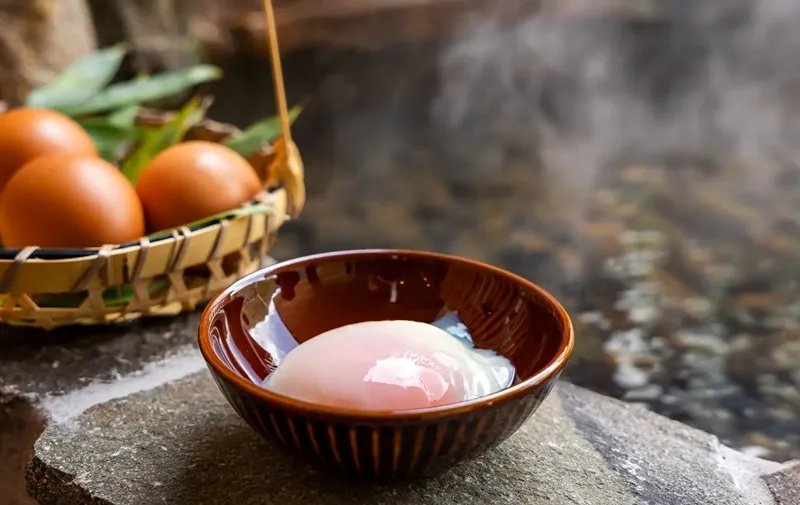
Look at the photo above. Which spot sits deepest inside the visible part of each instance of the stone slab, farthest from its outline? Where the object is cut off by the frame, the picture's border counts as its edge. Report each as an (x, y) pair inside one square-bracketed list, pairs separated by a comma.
[(39, 40), (43, 363), (181, 443), (785, 485)]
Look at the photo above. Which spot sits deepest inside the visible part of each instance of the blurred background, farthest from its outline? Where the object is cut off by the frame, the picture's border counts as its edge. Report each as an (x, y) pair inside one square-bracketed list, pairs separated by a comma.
[(637, 158)]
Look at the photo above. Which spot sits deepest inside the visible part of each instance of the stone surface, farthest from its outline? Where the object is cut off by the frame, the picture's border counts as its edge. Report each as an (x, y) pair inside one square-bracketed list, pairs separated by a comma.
[(181, 443), (38, 39), (158, 31), (54, 363), (785, 486), (367, 24), (43, 368)]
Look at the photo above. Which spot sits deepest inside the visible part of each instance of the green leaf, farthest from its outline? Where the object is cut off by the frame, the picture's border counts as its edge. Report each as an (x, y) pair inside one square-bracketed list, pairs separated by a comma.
[(82, 80), (136, 92), (121, 295), (112, 297), (258, 208), (259, 134), (112, 134), (250, 210), (155, 141), (124, 117), (111, 141)]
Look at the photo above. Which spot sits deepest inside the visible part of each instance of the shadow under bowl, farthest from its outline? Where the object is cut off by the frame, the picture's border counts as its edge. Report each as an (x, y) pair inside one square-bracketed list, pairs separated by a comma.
[(314, 294)]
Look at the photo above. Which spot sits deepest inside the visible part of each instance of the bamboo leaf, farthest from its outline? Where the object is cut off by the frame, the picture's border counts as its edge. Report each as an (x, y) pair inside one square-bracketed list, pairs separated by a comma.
[(82, 80), (136, 92), (112, 297), (122, 295), (250, 210), (124, 117), (153, 142), (112, 134), (111, 141), (258, 208), (259, 134)]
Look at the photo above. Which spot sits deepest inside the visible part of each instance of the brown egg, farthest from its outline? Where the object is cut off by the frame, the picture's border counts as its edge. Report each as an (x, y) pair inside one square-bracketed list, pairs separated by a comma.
[(69, 201), (192, 181), (27, 133)]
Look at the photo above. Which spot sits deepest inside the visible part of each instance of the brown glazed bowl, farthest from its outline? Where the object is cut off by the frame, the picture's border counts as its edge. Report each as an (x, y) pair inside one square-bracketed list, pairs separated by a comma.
[(504, 312)]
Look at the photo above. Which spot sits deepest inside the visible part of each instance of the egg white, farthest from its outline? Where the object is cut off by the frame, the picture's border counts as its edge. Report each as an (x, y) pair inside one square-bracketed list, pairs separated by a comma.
[(481, 371)]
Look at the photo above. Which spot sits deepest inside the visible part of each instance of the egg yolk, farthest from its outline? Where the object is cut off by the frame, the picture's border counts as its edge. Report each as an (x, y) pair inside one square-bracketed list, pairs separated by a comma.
[(375, 366)]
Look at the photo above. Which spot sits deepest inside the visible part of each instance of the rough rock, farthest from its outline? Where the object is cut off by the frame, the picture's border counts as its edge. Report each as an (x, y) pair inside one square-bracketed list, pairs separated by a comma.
[(38, 39), (54, 363), (785, 485), (47, 368), (181, 443), (157, 30), (167, 33), (367, 24)]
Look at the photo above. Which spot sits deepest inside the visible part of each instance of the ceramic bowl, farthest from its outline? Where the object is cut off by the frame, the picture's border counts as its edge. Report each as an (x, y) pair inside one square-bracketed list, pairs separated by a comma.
[(310, 295)]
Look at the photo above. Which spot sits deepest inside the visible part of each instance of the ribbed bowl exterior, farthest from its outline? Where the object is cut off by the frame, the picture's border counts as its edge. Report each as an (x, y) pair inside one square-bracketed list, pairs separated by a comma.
[(385, 451), (309, 296)]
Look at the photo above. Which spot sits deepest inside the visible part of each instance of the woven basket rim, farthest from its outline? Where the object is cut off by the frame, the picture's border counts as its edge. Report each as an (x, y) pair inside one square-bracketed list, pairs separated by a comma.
[(152, 117), (8, 253), (187, 264)]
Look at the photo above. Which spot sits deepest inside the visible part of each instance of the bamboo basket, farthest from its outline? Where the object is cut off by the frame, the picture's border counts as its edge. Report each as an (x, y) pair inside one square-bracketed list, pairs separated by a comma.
[(163, 275)]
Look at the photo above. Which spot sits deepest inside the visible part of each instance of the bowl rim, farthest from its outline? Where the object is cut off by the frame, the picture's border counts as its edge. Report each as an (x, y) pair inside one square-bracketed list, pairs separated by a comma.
[(549, 371)]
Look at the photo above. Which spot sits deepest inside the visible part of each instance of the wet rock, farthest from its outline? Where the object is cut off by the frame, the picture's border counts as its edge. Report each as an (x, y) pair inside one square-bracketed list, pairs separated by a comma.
[(20, 426)]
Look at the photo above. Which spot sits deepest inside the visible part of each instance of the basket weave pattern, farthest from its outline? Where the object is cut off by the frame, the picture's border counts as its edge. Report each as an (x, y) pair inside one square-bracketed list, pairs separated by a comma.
[(160, 277)]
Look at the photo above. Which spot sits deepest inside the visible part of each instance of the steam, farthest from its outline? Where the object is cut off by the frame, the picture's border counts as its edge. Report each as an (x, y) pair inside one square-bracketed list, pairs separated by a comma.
[(719, 79)]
